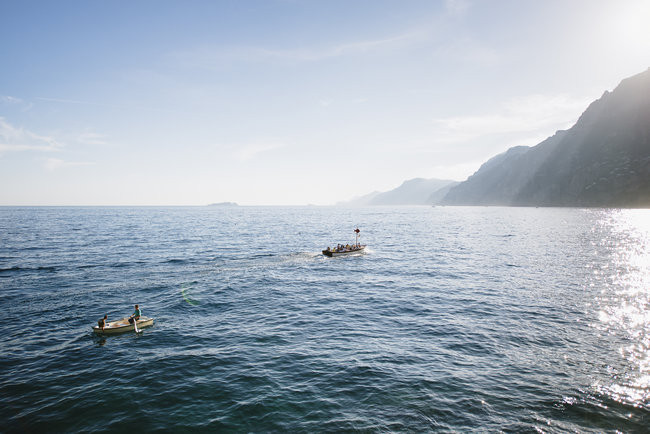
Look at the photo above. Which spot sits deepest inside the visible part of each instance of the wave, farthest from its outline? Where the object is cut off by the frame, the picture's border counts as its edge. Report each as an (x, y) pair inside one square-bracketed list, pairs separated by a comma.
[(27, 269), (50, 268), (175, 261), (4, 270), (81, 267), (127, 264)]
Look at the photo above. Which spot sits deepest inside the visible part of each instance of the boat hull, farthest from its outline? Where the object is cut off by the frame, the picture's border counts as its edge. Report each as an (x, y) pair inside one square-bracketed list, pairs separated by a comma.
[(332, 253), (123, 326)]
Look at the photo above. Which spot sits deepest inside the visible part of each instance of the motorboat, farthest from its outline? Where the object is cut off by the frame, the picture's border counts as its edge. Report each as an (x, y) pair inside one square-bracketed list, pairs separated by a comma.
[(359, 248), (346, 249)]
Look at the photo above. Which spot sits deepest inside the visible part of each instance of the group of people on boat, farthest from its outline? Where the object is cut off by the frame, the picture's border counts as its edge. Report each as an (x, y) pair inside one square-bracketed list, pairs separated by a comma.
[(344, 248), (102, 323)]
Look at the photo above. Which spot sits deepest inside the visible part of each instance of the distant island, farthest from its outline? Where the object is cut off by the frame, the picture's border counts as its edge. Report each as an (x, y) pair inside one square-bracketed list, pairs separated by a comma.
[(224, 204), (602, 161)]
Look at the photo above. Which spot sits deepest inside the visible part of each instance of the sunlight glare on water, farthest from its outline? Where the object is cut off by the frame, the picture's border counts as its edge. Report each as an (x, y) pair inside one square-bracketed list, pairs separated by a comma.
[(625, 302)]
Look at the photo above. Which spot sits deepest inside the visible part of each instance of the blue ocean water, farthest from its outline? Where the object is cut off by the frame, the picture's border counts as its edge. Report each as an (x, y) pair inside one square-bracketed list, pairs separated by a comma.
[(455, 319)]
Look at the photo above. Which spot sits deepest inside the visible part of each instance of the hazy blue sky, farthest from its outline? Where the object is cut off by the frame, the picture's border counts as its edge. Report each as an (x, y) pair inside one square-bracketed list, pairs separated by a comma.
[(290, 102)]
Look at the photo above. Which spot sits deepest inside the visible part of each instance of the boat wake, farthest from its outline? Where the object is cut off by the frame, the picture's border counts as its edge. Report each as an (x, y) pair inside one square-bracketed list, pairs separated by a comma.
[(302, 256)]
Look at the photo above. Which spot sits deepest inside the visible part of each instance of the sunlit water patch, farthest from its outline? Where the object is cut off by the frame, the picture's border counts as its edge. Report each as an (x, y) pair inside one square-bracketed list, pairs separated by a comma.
[(624, 303)]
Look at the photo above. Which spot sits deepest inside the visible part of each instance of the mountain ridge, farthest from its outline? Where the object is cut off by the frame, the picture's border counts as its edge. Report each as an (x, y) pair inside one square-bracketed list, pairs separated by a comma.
[(416, 191), (601, 161)]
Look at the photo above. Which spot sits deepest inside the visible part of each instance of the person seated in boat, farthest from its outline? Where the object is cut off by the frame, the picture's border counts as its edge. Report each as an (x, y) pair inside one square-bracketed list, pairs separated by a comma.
[(103, 322), (136, 315), (328, 249)]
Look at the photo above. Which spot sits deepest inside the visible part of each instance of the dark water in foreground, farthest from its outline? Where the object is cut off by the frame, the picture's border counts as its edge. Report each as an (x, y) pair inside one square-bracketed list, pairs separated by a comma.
[(456, 319)]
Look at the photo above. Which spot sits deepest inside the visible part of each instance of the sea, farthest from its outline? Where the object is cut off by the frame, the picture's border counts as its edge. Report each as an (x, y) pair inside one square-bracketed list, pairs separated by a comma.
[(454, 319)]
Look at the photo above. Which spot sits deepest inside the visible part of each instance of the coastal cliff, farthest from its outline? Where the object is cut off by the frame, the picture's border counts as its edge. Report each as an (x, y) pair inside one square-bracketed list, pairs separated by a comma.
[(603, 160)]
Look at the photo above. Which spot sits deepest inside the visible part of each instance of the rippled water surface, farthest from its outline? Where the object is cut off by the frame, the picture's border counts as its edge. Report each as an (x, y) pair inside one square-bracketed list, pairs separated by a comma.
[(456, 319)]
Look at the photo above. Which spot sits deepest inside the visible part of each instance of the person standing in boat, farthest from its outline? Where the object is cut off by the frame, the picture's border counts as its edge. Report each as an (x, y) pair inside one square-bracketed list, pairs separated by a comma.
[(135, 317), (103, 322)]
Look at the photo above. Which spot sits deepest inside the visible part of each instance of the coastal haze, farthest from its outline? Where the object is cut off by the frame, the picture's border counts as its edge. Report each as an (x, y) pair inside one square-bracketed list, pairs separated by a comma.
[(197, 158), (601, 161)]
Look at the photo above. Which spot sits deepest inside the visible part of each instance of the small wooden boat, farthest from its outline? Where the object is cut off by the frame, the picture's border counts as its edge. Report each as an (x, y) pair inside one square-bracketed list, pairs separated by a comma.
[(339, 252), (347, 249), (122, 326)]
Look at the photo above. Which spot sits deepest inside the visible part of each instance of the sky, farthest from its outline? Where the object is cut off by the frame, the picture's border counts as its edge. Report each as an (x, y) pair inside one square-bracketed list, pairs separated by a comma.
[(290, 102)]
